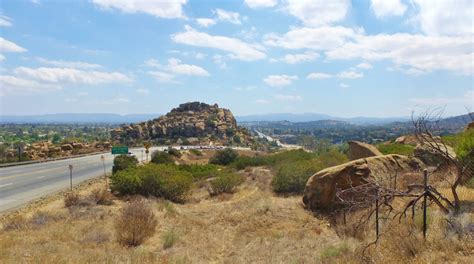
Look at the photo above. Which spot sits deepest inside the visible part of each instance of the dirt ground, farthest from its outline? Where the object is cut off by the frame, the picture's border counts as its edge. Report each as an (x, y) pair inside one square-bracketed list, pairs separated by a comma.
[(252, 225)]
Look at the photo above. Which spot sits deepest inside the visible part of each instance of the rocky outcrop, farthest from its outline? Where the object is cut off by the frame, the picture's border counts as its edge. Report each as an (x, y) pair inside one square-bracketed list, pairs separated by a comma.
[(434, 156), (413, 140), (189, 120), (320, 190), (359, 150)]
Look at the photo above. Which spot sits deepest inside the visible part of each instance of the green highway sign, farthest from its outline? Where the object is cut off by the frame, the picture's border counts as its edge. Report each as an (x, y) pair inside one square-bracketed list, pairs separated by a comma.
[(119, 150)]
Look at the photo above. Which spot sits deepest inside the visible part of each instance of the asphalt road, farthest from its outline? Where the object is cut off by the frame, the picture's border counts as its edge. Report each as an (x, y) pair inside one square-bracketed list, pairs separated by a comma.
[(22, 184)]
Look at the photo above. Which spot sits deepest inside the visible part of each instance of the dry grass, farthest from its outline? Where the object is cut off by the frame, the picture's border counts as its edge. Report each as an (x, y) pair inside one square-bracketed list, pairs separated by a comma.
[(71, 199), (135, 224), (102, 196), (250, 226)]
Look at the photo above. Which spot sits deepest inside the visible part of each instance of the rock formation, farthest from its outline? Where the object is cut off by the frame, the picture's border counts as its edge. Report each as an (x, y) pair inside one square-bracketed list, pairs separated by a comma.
[(359, 150), (189, 120), (430, 156), (320, 190)]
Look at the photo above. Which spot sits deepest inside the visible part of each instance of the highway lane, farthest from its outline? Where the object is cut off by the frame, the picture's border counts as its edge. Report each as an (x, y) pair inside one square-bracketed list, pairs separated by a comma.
[(22, 184)]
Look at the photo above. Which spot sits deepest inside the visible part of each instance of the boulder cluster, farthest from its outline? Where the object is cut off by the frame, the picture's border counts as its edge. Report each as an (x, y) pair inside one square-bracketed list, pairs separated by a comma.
[(194, 120), (369, 166), (46, 149)]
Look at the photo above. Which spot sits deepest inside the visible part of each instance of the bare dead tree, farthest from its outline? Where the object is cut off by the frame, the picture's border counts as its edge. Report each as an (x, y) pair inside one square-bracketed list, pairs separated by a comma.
[(425, 127)]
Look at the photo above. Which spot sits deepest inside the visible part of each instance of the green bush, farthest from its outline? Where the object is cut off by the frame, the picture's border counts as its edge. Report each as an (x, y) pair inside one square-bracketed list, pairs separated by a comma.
[(243, 162), (224, 157), (166, 181), (123, 162), (126, 181), (199, 171), (195, 152), (393, 148), (174, 152), (161, 157), (225, 182), (292, 176)]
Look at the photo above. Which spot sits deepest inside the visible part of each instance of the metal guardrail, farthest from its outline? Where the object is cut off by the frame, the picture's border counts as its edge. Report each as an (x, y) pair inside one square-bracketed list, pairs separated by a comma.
[(11, 164)]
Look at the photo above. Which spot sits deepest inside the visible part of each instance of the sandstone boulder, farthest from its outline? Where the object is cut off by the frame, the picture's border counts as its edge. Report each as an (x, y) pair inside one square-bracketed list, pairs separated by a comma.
[(430, 156), (66, 147), (320, 190), (413, 140), (77, 145), (359, 150)]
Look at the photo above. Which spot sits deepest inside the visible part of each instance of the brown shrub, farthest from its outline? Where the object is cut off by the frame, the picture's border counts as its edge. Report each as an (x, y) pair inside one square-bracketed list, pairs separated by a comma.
[(71, 199), (101, 196), (136, 223), (41, 218), (17, 222)]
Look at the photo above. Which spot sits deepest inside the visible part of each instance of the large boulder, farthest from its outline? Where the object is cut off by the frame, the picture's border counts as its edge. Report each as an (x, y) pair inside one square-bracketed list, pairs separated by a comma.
[(66, 147), (414, 140), (320, 190), (434, 155), (359, 150)]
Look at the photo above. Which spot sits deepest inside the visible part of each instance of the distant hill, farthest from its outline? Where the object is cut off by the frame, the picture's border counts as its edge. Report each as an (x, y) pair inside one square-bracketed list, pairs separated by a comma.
[(309, 117), (78, 118)]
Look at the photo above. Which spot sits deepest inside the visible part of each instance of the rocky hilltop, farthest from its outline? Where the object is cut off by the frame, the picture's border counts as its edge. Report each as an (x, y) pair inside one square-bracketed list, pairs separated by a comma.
[(193, 122)]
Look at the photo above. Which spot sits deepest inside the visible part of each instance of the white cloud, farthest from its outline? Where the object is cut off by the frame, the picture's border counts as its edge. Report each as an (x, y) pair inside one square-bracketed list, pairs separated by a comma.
[(69, 64), (161, 8), (231, 17), (442, 17), (17, 85), (364, 66), (416, 52), (318, 12), (206, 22), (5, 21), (300, 57), (200, 56), (288, 97), (219, 60), (2, 58), (143, 91), (245, 88), (384, 8), (238, 49), (175, 66), (261, 3), (70, 75), (320, 38), (279, 80), (318, 76), (162, 76), (262, 101), (152, 63), (8, 46), (350, 75), (343, 85), (467, 99)]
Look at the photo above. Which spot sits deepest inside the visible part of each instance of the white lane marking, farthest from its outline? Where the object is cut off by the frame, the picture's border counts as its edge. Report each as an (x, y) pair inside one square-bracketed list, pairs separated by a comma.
[(4, 185), (40, 177)]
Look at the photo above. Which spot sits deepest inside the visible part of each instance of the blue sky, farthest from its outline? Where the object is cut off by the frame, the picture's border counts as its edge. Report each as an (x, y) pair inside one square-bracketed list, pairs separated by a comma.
[(345, 58)]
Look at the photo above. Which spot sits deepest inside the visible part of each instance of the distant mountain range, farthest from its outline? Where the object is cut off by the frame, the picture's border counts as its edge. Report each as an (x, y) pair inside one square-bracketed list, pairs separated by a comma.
[(135, 118), (78, 118), (309, 117)]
